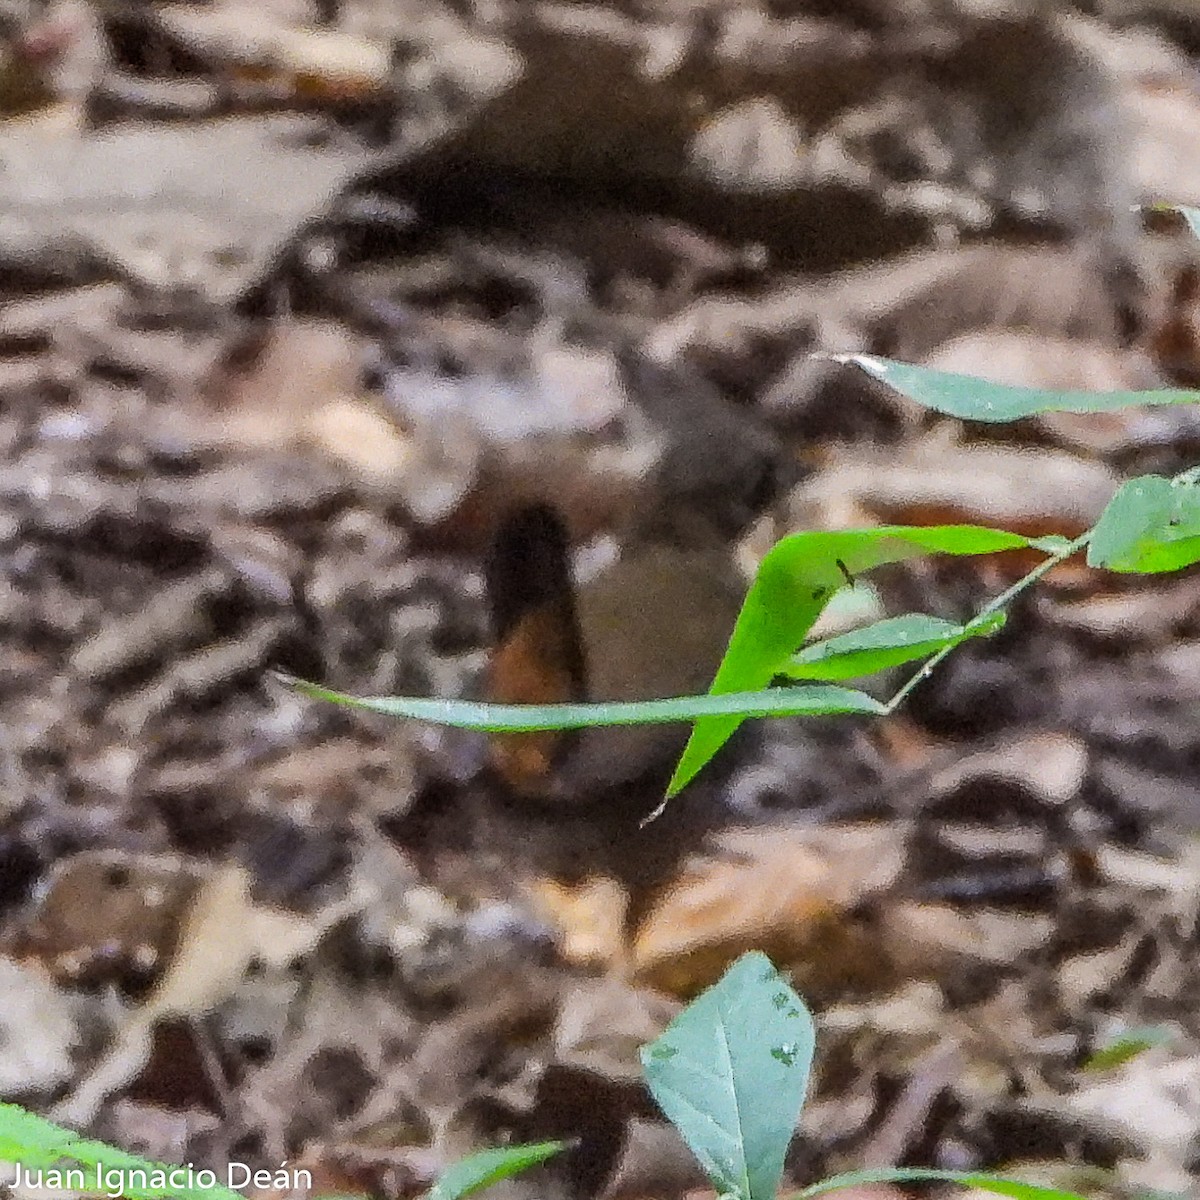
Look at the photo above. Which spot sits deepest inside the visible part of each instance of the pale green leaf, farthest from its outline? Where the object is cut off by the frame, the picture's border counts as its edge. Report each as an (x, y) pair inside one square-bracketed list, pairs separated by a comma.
[(887, 643), (731, 1072), (527, 718), (974, 399), (980, 1180)]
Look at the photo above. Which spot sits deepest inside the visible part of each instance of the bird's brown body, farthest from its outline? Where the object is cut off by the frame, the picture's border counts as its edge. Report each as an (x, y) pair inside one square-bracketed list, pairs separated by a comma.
[(653, 623)]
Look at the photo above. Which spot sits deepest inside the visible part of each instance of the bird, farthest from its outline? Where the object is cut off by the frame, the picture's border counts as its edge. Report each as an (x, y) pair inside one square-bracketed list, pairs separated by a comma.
[(654, 622)]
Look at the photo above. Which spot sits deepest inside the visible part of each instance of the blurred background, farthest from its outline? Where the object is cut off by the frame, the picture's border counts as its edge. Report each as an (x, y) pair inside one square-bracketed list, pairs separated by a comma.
[(297, 300)]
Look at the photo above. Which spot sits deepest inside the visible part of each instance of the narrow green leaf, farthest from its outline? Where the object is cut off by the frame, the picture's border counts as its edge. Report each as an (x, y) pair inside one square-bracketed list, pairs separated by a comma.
[(887, 643), (980, 1180), (794, 583), (36, 1143), (1151, 525), (526, 718), (975, 399), (29, 1139), (1127, 1045), (481, 1170), (731, 1071)]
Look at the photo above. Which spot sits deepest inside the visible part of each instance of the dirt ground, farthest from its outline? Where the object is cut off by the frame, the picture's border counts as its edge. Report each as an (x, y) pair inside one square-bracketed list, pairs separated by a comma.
[(296, 300)]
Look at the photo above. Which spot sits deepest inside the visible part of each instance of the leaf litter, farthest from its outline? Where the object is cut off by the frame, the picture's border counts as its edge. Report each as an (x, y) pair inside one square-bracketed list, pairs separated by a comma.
[(259, 293)]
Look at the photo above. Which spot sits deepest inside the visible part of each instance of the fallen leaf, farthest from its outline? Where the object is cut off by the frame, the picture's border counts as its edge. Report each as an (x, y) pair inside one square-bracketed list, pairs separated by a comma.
[(789, 893), (589, 919), (38, 1030), (221, 934), (939, 481), (200, 204)]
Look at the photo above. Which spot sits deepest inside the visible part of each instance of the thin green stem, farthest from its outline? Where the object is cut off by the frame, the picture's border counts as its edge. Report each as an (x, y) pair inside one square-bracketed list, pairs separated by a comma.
[(994, 605)]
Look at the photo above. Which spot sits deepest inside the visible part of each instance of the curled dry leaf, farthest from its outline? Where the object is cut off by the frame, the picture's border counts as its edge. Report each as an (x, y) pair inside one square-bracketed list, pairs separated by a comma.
[(588, 918), (303, 387), (106, 913), (793, 893), (319, 64), (940, 481), (38, 1030), (221, 934)]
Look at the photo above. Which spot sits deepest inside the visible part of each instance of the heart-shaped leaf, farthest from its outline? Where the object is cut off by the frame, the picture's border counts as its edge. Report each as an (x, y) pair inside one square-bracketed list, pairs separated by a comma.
[(731, 1072)]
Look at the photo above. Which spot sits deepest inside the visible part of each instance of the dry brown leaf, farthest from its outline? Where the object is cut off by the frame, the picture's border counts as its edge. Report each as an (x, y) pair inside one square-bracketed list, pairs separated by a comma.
[(322, 64), (603, 1023), (905, 742), (362, 437), (934, 939), (222, 933), (589, 919), (1022, 358), (1051, 766), (104, 912), (199, 204), (299, 367), (912, 303), (789, 893), (654, 1162), (38, 1030), (1085, 979), (754, 144), (1147, 615), (939, 480), (1154, 1100), (303, 389), (1166, 149)]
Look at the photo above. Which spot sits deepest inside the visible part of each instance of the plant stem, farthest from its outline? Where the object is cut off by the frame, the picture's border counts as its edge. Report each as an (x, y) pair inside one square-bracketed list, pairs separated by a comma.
[(994, 605)]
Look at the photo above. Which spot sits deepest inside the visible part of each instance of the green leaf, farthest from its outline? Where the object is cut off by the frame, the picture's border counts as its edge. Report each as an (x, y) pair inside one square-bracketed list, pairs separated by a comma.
[(980, 1180), (38, 1144), (29, 1139), (794, 583), (887, 643), (731, 1071), (527, 718), (975, 399), (481, 1170), (1151, 525), (1127, 1045)]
